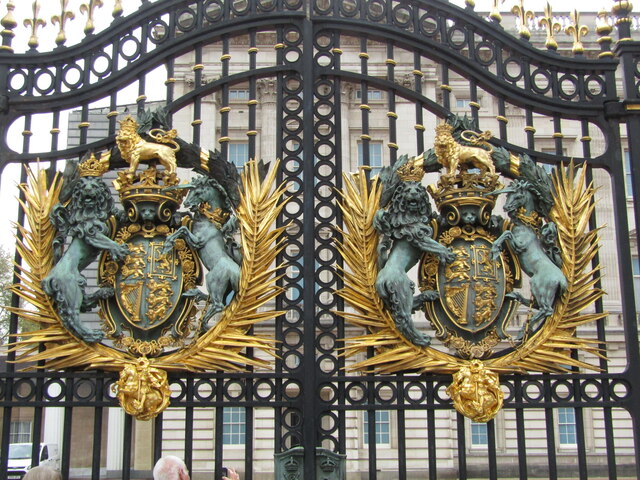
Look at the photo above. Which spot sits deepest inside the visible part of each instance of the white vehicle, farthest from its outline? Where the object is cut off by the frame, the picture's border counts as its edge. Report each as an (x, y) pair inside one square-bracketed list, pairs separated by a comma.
[(19, 461)]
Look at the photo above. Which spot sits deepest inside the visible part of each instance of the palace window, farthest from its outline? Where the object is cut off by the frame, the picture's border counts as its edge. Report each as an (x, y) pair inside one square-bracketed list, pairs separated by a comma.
[(375, 156), (371, 95), (20, 432), (567, 426), (234, 424), (635, 265), (238, 154), (479, 434), (238, 94), (383, 427), (627, 174)]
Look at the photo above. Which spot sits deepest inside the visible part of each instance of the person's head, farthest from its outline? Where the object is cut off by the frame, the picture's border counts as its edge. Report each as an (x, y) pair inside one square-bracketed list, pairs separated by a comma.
[(43, 473), (170, 468)]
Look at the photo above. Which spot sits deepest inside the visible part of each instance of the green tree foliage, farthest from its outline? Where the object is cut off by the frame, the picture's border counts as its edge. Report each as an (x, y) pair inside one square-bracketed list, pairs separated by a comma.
[(6, 279)]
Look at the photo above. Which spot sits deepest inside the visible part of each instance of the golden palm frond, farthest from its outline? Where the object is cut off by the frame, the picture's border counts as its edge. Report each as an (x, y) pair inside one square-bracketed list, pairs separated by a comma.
[(34, 245)]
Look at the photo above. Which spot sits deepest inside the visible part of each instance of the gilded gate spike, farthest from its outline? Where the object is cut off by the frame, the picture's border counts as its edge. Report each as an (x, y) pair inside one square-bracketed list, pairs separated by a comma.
[(117, 9), (8, 21), (551, 26), (578, 31), (495, 11), (524, 17), (621, 9), (602, 24), (88, 9), (604, 29), (61, 20), (34, 23)]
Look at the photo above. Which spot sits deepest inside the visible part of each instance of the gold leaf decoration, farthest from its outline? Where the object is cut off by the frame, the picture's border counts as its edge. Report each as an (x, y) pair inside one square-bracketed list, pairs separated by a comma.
[(548, 350)]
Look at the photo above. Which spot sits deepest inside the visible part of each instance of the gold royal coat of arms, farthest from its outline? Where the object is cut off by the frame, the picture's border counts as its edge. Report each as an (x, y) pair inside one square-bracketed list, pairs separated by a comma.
[(471, 263), (144, 314)]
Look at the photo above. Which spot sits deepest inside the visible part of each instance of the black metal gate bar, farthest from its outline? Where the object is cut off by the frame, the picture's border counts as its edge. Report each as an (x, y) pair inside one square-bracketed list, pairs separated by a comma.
[(309, 380)]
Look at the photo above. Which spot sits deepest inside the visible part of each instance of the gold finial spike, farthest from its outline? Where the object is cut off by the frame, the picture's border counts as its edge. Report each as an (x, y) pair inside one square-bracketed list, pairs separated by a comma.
[(551, 26), (61, 20), (602, 23), (524, 16), (34, 23), (470, 3), (8, 21), (621, 9), (578, 31), (495, 11), (604, 29), (117, 9), (88, 9)]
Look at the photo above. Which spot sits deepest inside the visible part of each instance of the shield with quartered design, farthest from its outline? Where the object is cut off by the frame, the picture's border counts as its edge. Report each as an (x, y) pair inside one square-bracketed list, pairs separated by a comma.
[(472, 311), (148, 285), (148, 310)]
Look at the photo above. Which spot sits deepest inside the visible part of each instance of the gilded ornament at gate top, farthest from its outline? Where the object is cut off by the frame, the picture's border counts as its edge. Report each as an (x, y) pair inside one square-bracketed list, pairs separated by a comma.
[(551, 26), (524, 16), (577, 31), (34, 23), (61, 19)]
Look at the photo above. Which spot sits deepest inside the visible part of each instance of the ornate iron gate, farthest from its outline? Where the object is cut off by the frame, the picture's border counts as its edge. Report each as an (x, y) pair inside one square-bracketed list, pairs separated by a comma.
[(318, 83)]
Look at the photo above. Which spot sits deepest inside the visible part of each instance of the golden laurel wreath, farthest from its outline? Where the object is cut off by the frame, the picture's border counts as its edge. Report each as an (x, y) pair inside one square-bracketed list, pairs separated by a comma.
[(548, 350), (220, 348)]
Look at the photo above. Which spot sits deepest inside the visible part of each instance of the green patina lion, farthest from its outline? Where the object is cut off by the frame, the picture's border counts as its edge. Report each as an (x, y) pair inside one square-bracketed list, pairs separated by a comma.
[(406, 235), (84, 220)]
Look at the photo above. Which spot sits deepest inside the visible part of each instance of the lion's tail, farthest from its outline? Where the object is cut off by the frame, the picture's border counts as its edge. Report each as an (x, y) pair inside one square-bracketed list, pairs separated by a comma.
[(166, 137)]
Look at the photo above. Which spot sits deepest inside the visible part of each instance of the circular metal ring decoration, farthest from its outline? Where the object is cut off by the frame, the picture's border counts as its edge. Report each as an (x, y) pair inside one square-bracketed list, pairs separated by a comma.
[(470, 263), (152, 257)]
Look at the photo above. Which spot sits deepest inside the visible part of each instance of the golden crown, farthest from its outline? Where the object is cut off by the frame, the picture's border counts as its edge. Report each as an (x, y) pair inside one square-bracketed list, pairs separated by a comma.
[(412, 171), (465, 189), (444, 127), (92, 167)]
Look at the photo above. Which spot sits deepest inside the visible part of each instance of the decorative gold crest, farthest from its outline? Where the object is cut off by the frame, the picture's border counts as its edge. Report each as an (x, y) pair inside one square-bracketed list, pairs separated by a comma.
[(474, 287), (143, 390), (149, 272), (476, 392)]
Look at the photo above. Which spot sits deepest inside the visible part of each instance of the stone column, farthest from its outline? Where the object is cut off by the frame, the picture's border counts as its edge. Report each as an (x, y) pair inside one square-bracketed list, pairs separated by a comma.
[(115, 439), (143, 454), (266, 147), (53, 424)]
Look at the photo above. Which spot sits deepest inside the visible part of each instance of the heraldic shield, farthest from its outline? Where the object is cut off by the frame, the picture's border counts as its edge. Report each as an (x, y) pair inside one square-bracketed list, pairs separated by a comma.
[(471, 262), (471, 309), (178, 260), (148, 311)]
